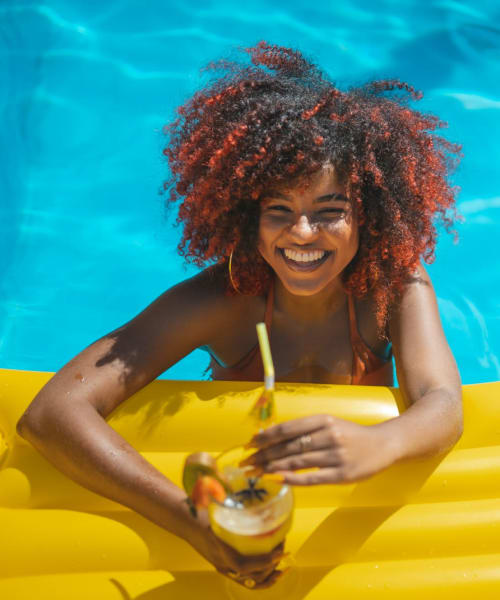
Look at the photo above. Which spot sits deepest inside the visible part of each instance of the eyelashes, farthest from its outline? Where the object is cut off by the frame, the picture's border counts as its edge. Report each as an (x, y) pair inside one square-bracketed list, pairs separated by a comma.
[(325, 211)]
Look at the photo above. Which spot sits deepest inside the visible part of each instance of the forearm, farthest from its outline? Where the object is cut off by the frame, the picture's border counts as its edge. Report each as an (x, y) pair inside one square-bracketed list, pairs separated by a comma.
[(86, 449), (430, 426)]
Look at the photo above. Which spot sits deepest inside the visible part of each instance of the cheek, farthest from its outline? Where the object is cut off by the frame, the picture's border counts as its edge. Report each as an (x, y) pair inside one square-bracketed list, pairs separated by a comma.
[(261, 242), (344, 235), (267, 233), (340, 230)]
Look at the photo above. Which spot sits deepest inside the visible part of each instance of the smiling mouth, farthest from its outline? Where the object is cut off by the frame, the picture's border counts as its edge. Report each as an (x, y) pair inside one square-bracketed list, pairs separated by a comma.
[(304, 261)]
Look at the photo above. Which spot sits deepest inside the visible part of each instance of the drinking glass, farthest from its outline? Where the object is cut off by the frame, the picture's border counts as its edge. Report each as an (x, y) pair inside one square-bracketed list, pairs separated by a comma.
[(254, 521)]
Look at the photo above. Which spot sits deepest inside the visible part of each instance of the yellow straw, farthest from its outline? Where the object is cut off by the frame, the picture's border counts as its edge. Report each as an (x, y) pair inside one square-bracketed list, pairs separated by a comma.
[(267, 359)]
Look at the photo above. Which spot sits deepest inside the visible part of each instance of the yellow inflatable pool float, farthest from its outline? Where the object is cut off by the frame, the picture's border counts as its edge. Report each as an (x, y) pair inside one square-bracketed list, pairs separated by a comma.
[(421, 529)]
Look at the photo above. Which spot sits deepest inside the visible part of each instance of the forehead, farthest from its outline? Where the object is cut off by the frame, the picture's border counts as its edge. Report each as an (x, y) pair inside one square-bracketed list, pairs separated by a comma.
[(322, 182)]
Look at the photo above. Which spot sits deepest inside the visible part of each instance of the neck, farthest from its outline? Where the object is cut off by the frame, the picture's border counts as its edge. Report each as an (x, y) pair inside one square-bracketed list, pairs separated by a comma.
[(306, 310)]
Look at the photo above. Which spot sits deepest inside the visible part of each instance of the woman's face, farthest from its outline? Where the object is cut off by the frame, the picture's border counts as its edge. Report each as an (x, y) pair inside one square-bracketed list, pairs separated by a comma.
[(308, 234)]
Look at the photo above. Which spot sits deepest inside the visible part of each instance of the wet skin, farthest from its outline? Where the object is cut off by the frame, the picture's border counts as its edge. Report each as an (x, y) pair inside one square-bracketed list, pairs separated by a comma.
[(66, 420)]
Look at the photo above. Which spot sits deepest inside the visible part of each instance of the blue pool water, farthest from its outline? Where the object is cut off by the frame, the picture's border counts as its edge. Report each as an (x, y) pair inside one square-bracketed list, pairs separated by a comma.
[(86, 87)]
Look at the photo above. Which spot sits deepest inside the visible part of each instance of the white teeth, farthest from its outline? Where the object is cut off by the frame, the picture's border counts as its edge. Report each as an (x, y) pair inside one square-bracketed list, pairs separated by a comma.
[(304, 256)]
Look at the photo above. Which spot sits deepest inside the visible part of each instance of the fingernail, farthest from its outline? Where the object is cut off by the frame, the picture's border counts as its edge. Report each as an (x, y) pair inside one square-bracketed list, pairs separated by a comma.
[(249, 460), (253, 442)]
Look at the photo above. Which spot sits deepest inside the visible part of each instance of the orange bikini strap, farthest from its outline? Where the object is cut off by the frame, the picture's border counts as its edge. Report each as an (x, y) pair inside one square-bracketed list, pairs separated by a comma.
[(357, 366), (268, 317), (353, 329)]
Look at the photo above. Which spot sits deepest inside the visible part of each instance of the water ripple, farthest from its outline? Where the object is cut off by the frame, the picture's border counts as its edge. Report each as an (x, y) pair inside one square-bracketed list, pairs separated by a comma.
[(121, 66), (51, 15), (470, 207), (85, 86), (59, 21)]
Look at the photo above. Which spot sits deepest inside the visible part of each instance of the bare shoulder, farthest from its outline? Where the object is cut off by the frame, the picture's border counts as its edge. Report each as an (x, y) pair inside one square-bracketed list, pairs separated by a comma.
[(203, 298), (417, 292), (423, 357), (415, 308), (198, 313), (184, 317), (418, 295)]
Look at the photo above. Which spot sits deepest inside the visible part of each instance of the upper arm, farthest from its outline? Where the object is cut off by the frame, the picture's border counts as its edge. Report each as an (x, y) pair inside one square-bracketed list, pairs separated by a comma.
[(423, 357), (125, 360)]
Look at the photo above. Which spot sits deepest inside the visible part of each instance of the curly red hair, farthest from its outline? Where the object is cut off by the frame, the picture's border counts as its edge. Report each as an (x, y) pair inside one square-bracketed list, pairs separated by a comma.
[(279, 120)]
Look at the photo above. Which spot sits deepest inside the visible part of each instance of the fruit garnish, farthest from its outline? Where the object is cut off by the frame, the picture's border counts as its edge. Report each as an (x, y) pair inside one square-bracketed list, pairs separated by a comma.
[(197, 465), (201, 480), (205, 490)]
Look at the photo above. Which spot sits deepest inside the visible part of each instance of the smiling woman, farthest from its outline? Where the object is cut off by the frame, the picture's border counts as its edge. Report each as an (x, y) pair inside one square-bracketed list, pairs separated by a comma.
[(308, 236), (311, 208), (311, 230)]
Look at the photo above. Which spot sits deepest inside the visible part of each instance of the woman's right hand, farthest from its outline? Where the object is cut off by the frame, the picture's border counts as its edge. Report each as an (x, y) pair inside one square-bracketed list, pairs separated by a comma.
[(255, 572)]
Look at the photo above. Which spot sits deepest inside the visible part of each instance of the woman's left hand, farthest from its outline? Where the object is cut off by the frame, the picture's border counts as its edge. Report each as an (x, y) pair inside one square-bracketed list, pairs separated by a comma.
[(340, 450)]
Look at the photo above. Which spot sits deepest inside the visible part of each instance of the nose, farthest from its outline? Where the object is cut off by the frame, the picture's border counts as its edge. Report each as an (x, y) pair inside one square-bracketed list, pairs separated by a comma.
[(303, 230)]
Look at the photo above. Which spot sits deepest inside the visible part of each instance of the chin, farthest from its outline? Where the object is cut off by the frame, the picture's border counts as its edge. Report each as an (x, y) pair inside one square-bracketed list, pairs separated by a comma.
[(304, 288)]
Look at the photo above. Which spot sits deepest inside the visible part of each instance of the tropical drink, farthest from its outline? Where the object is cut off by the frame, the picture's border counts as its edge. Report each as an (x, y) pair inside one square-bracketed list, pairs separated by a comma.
[(259, 518)]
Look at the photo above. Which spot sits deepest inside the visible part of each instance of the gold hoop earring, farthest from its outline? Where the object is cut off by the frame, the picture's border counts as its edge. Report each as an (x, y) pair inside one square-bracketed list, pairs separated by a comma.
[(235, 287)]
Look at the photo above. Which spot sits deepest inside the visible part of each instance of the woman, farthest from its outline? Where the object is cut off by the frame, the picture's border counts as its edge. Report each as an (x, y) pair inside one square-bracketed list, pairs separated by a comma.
[(314, 209)]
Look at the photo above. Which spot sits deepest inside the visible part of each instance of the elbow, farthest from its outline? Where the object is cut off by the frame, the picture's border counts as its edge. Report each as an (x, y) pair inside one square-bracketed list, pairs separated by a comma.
[(450, 414), (30, 422), (20, 426), (457, 429), (25, 427), (452, 440), (459, 424)]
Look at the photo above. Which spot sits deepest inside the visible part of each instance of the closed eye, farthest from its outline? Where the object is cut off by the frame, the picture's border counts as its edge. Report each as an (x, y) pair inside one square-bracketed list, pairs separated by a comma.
[(280, 207), (332, 210)]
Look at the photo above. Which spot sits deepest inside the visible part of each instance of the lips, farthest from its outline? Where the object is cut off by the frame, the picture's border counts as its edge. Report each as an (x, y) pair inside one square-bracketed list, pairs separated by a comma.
[(304, 266)]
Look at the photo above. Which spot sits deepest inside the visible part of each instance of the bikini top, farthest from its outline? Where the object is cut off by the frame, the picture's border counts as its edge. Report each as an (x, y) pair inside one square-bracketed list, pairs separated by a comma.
[(367, 367)]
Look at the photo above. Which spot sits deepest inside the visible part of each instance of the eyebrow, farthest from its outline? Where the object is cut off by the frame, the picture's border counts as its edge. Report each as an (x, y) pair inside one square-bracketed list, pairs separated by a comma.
[(325, 198)]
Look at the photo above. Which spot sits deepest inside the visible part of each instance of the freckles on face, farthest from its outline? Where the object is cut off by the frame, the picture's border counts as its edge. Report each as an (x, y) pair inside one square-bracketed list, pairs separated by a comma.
[(309, 235)]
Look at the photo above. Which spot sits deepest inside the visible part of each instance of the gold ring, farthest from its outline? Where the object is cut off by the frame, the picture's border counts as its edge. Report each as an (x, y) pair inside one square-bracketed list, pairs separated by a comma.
[(249, 583), (234, 574), (305, 442)]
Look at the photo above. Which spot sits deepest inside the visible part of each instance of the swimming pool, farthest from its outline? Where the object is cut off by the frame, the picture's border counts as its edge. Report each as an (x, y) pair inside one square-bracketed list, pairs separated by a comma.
[(86, 88)]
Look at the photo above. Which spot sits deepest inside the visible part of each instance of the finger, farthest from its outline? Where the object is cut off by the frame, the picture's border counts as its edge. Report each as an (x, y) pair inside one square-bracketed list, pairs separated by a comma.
[(259, 582), (321, 476), (320, 458), (289, 430), (271, 579), (260, 576), (279, 549), (256, 563), (319, 439)]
